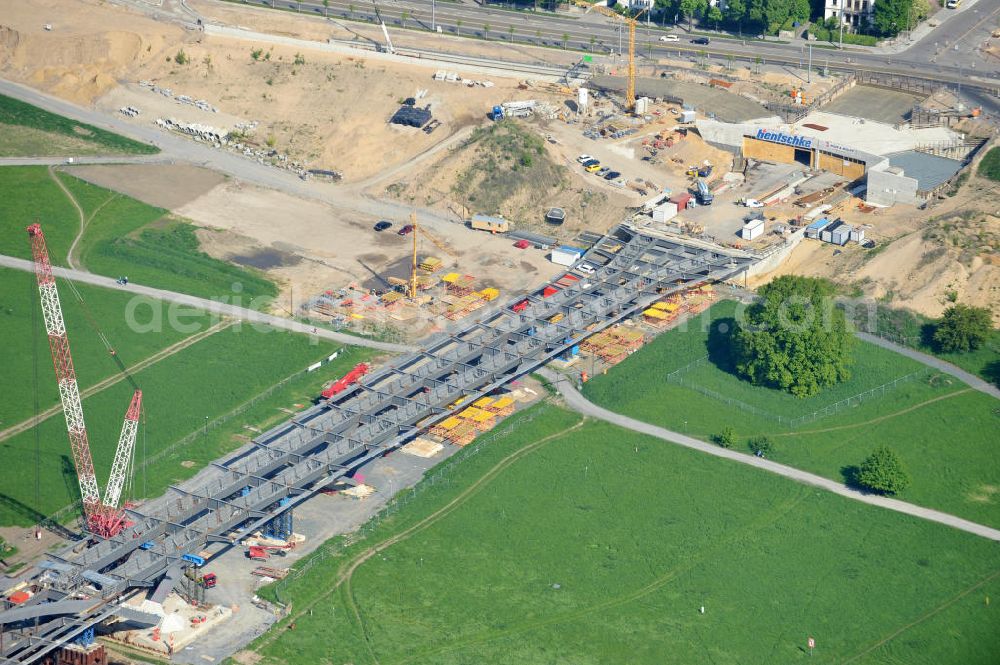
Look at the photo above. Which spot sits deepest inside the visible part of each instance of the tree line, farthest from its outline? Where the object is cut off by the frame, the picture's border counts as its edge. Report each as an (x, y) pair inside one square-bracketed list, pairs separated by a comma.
[(890, 17)]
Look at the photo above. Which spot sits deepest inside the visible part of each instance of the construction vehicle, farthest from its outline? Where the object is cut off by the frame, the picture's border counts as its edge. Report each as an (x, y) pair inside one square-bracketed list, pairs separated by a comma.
[(348, 379), (378, 17), (522, 109), (257, 553), (103, 517), (631, 23), (704, 194)]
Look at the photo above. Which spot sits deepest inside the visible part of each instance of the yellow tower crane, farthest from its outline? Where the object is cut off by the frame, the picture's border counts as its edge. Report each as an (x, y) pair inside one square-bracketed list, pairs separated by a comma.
[(440, 244), (631, 23)]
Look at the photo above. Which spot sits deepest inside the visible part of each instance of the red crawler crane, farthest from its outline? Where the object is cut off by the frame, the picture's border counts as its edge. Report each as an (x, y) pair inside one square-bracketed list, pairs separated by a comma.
[(103, 518)]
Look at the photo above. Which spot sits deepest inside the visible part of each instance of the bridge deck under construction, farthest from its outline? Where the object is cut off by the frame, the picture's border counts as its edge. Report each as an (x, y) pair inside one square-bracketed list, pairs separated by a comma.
[(241, 492)]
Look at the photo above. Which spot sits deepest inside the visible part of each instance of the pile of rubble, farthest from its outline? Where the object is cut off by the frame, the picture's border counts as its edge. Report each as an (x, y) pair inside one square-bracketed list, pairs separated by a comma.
[(129, 111)]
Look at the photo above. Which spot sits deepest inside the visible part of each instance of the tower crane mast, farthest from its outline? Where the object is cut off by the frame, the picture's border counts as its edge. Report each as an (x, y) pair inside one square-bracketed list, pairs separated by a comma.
[(631, 23), (103, 518)]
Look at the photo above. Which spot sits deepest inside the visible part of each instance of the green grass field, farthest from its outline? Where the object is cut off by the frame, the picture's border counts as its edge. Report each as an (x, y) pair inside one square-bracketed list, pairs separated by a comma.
[(16, 116), (23, 332), (123, 237), (181, 393), (949, 445), (600, 546), (912, 329)]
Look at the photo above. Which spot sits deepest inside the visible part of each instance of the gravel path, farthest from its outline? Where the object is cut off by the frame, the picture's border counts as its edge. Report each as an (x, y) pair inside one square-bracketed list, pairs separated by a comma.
[(581, 404), (212, 306), (931, 361)]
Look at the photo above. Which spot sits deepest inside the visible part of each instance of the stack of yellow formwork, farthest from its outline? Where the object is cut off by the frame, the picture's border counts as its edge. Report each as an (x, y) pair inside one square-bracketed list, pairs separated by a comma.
[(391, 299), (489, 294), (425, 282), (655, 317), (460, 285), (431, 264), (444, 428), (481, 419), (661, 313), (615, 344), (483, 403), (464, 306), (503, 406)]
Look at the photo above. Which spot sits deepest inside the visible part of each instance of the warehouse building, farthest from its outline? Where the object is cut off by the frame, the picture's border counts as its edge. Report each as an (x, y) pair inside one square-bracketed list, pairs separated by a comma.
[(893, 163), (771, 145)]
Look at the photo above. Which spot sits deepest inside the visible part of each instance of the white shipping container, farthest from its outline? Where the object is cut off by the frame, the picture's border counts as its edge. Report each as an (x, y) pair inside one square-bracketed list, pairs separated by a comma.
[(752, 229), (664, 212), (688, 116), (566, 256)]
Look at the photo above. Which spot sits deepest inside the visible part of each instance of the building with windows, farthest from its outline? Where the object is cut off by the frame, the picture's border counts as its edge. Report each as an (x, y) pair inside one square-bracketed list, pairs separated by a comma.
[(635, 5), (853, 14)]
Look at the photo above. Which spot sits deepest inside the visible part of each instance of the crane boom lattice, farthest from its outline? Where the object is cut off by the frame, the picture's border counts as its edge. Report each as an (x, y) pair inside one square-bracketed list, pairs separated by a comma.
[(69, 392), (102, 518), (631, 23)]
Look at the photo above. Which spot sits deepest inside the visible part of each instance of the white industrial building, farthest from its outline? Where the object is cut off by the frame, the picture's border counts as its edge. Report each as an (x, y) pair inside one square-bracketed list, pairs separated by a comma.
[(852, 13)]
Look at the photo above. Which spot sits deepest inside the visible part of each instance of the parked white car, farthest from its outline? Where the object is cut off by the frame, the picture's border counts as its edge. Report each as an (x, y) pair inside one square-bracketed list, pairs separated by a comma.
[(584, 158), (752, 203), (670, 38)]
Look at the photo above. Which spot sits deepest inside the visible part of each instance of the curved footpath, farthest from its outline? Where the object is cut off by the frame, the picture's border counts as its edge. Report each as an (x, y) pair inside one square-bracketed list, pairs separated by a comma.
[(581, 404), (972, 380), (212, 306)]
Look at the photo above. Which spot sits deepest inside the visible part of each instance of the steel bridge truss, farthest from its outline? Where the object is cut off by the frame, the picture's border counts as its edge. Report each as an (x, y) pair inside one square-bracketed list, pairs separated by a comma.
[(279, 469)]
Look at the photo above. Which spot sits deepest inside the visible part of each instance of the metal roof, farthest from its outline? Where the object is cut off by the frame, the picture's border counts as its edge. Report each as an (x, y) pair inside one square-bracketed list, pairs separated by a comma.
[(928, 170)]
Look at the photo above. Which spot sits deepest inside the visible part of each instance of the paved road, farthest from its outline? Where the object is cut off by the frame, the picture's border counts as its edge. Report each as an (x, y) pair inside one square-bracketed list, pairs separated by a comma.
[(932, 53), (931, 361), (212, 306), (581, 404)]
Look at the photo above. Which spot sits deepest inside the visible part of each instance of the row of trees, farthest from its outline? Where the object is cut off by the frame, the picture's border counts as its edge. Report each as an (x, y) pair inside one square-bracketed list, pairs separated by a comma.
[(890, 16)]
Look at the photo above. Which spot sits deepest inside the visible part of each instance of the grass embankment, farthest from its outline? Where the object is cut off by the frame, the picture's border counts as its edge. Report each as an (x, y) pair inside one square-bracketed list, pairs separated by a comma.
[(28, 131), (123, 236), (917, 331), (509, 170), (989, 167), (182, 394), (23, 332), (600, 546), (946, 437)]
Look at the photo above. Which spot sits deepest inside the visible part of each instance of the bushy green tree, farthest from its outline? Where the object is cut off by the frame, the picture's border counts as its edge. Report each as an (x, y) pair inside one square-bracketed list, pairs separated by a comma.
[(726, 438), (760, 445), (884, 472), (963, 328), (794, 338), (890, 16)]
